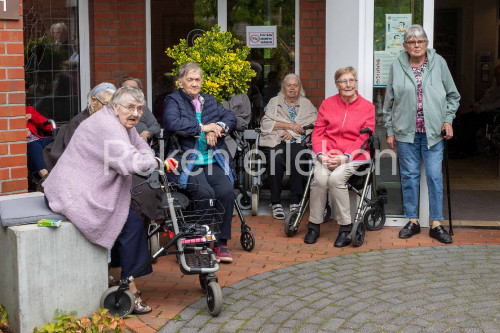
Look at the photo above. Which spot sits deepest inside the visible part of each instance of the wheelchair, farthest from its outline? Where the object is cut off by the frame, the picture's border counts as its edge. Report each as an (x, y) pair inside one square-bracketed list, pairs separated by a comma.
[(370, 213)]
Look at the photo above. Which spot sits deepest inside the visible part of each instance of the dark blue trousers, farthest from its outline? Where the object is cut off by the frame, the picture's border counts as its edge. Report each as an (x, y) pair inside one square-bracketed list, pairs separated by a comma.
[(130, 251), (213, 183), (34, 153)]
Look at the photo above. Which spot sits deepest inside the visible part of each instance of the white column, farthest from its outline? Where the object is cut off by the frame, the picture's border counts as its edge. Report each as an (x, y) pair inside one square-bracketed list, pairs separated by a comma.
[(222, 14), (349, 42), (84, 42)]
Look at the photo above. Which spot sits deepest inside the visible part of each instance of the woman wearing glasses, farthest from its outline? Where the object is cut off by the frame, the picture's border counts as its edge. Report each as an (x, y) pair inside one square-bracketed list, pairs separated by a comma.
[(97, 98), (420, 102), (336, 142), (90, 184), (206, 168)]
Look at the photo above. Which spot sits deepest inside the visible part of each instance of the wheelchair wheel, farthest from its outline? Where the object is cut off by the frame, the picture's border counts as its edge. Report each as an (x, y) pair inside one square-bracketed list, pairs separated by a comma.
[(214, 298), (203, 281), (327, 213), (359, 234), (374, 218), (290, 230), (255, 200), (124, 306), (247, 241), (245, 202)]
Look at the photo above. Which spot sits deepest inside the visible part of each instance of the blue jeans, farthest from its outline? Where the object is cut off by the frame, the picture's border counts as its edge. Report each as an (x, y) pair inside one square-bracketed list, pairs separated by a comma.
[(409, 167)]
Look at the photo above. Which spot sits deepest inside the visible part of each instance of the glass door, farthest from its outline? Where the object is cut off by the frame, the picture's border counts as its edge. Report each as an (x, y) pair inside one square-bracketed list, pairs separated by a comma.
[(391, 20)]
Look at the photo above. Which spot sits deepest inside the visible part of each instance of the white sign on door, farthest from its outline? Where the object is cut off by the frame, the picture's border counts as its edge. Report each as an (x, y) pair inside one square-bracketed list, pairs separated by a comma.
[(261, 36)]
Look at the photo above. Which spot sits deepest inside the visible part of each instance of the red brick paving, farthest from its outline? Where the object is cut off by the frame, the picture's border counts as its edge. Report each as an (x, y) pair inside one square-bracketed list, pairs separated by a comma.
[(168, 291)]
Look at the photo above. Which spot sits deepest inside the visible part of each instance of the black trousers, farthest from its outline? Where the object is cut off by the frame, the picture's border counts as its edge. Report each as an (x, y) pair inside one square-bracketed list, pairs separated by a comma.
[(211, 182), (277, 160), (130, 250)]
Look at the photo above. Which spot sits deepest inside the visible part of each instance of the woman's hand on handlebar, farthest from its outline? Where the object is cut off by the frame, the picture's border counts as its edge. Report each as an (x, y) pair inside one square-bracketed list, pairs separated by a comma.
[(447, 129), (391, 141)]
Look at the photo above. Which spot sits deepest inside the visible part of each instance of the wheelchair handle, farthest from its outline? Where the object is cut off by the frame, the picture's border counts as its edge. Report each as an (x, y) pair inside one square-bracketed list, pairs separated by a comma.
[(308, 127), (443, 133)]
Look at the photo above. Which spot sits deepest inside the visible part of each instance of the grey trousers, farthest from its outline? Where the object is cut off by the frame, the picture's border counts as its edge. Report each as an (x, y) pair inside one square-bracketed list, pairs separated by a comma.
[(334, 182)]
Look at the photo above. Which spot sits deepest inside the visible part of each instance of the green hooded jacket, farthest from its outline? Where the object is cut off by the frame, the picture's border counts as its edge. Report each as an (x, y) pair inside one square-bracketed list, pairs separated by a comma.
[(440, 98)]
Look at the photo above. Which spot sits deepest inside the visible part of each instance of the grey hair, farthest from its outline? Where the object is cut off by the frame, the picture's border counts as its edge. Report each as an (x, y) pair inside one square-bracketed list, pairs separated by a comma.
[(416, 31), (344, 70), (99, 95), (189, 67), (290, 75), (63, 26), (124, 92), (129, 78)]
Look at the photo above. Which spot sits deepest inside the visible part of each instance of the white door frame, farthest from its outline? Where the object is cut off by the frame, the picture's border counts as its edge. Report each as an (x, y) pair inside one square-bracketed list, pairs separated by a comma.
[(84, 51)]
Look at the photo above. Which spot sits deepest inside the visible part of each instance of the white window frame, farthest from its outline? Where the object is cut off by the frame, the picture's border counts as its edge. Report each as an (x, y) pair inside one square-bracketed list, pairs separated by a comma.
[(84, 51)]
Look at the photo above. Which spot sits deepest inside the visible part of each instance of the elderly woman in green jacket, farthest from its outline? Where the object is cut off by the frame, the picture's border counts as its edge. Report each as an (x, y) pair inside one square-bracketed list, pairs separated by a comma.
[(421, 101)]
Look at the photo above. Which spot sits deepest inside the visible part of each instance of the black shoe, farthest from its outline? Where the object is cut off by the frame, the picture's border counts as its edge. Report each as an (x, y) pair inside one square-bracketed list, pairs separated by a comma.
[(312, 233), (343, 237), (440, 234), (409, 230)]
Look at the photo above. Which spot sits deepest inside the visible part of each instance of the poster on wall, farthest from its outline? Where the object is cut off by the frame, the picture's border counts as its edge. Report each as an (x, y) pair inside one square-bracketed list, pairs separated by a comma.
[(395, 28), (261, 36), (382, 64)]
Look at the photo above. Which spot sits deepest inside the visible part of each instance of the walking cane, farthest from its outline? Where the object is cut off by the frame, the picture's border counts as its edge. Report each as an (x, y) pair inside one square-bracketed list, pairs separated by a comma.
[(443, 134)]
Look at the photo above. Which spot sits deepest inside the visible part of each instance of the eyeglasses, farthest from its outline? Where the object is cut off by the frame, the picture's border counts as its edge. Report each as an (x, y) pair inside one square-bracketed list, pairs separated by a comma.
[(344, 82), (131, 108), (415, 42), (97, 99)]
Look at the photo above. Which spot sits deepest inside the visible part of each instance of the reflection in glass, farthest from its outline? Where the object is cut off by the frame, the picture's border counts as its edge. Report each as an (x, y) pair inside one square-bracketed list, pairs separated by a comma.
[(51, 58)]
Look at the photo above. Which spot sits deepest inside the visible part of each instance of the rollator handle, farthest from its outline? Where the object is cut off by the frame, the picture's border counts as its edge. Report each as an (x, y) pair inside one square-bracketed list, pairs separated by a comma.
[(308, 127), (443, 133), (366, 130)]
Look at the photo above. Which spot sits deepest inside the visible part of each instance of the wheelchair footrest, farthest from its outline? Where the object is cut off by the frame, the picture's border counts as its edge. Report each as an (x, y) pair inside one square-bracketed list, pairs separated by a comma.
[(199, 260)]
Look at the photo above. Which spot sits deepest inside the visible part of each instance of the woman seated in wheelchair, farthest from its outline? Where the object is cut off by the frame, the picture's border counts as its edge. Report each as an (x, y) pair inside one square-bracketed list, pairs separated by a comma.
[(90, 184), (336, 142), (206, 167), (35, 123), (282, 126)]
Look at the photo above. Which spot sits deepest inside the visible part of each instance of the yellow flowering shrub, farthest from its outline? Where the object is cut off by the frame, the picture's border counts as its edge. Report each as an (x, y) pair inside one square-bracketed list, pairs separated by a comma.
[(226, 72)]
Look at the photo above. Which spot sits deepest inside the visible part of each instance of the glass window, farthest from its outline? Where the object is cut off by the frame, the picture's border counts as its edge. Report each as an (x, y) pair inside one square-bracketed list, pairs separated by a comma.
[(51, 58), (271, 64), (171, 21), (392, 18)]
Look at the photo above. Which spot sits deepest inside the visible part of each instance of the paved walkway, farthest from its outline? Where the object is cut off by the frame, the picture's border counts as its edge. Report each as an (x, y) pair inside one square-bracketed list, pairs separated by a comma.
[(169, 292), (430, 289)]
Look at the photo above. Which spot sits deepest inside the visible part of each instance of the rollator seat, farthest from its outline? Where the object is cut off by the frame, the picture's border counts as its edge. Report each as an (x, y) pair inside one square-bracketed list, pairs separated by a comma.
[(21, 209)]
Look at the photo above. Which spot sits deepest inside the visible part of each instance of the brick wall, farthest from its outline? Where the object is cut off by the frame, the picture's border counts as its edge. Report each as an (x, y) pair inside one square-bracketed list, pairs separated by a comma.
[(13, 171), (312, 49), (117, 40)]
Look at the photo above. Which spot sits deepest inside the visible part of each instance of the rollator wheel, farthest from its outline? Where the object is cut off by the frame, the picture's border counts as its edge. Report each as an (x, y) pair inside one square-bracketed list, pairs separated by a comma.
[(203, 281), (214, 298), (290, 230), (374, 218), (255, 200), (359, 234), (327, 213), (247, 241), (125, 304), (245, 202)]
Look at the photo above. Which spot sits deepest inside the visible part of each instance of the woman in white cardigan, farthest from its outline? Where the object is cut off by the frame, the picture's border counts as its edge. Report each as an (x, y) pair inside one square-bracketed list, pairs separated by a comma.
[(281, 138)]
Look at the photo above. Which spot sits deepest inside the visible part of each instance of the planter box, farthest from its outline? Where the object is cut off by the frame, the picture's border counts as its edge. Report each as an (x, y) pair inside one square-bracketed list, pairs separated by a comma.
[(44, 270)]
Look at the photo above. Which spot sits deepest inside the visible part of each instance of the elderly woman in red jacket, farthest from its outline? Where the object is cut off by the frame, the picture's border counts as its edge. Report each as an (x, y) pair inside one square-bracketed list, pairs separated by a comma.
[(35, 142), (336, 142)]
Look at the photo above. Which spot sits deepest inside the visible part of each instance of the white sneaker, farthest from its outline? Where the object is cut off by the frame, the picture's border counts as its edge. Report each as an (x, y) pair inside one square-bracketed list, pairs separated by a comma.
[(278, 212)]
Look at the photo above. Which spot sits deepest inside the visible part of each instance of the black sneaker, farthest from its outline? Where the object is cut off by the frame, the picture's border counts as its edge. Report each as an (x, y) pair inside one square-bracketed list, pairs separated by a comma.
[(440, 234), (312, 233), (343, 238), (409, 230)]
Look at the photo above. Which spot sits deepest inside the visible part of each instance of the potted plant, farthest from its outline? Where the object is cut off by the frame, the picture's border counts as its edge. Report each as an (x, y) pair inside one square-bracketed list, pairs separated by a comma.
[(226, 72)]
